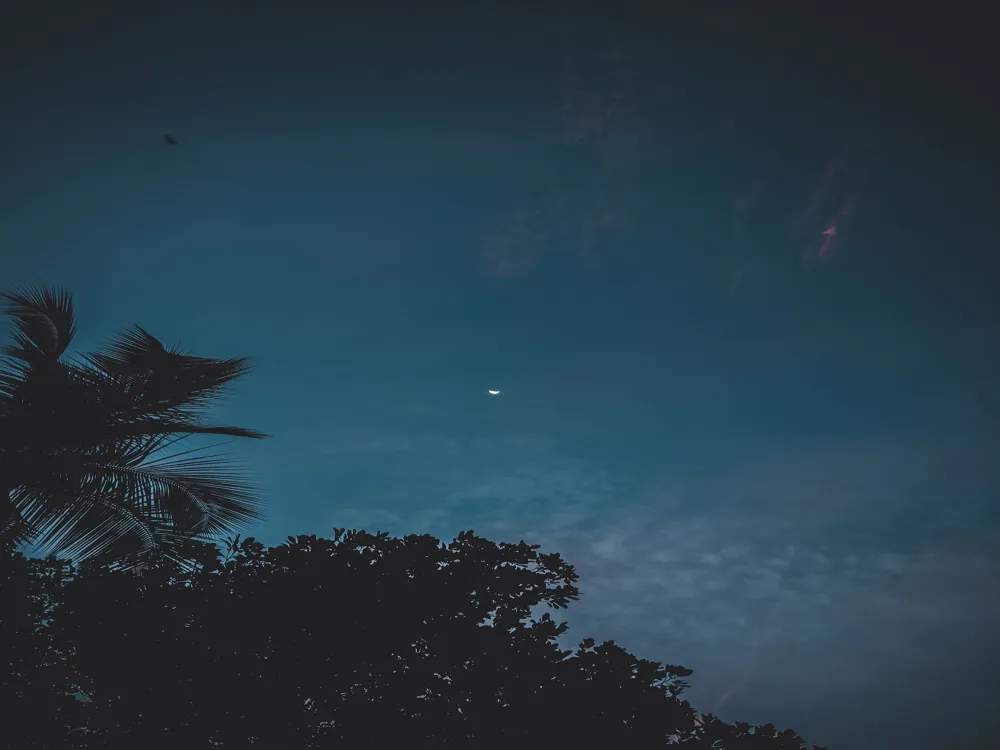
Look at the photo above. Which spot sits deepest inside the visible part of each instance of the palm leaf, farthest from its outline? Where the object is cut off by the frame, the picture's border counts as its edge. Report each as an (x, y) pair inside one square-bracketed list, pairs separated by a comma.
[(165, 378), (96, 405), (190, 428), (43, 322), (131, 500), (14, 529)]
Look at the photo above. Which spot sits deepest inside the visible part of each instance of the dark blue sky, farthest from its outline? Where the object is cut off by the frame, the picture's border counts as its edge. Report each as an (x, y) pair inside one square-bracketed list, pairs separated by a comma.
[(770, 451)]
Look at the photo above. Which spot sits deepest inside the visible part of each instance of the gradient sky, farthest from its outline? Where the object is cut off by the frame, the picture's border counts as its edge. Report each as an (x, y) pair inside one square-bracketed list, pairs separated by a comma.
[(734, 274)]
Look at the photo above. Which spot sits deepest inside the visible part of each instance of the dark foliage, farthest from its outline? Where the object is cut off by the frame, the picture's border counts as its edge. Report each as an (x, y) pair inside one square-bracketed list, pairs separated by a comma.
[(361, 641), (36, 677)]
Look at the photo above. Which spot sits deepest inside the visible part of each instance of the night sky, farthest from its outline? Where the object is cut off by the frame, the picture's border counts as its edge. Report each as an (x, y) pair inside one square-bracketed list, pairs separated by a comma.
[(732, 272)]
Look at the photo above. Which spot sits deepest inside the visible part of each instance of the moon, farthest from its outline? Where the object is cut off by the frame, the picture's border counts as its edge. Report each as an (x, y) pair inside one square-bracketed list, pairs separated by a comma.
[(493, 393)]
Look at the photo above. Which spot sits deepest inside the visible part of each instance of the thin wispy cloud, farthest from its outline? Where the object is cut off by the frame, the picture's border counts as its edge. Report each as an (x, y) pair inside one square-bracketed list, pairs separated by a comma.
[(832, 202), (737, 570), (585, 210), (818, 226), (577, 226)]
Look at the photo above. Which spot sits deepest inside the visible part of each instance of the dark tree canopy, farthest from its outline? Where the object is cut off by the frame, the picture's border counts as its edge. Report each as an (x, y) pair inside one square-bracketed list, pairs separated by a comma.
[(36, 675), (358, 641)]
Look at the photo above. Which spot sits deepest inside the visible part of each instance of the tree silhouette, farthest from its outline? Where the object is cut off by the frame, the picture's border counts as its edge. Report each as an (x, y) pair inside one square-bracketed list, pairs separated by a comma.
[(36, 677), (359, 641), (83, 468)]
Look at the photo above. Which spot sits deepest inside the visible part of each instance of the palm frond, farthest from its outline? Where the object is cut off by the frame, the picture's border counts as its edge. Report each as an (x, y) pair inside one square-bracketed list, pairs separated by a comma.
[(217, 486), (134, 351), (14, 529), (191, 428), (43, 321), (228, 430), (13, 373), (83, 505), (168, 375), (83, 442), (115, 535), (73, 404), (169, 544), (90, 525)]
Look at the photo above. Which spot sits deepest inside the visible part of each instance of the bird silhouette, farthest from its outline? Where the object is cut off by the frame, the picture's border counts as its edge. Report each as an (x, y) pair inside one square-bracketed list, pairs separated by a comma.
[(169, 140)]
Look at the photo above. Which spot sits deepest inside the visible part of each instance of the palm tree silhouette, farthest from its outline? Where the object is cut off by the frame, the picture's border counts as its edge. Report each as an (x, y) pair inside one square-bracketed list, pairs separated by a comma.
[(85, 466)]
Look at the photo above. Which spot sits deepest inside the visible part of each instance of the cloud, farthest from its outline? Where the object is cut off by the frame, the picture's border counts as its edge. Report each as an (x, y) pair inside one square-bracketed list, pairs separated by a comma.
[(832, 202), (797, 577), (372, 441), (816, 226), (580, 224), (601, 138), (517, 246)]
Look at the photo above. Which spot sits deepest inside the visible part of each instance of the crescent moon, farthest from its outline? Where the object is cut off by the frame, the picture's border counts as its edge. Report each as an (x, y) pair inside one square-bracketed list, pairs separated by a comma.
[(493, 393)]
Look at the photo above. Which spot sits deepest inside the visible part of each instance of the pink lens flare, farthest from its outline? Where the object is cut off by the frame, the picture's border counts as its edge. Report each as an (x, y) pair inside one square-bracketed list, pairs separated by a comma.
[(828, 235)]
